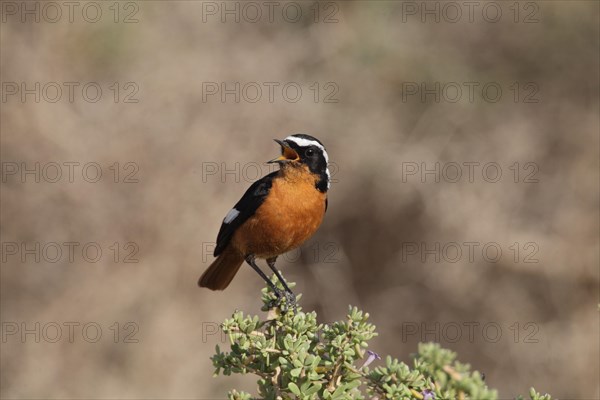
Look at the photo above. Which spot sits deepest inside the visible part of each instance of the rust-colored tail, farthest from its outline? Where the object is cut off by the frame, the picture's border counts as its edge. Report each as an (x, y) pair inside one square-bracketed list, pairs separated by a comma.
[(220, 273)]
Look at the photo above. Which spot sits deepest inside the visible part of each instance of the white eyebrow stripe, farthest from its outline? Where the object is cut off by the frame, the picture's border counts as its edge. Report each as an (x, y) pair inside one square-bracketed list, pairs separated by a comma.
[(231, 215), (306, 142)]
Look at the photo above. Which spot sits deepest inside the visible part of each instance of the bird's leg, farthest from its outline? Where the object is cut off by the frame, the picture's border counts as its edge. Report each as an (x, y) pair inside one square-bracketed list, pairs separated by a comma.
[(289, 295), (271, 264), (250, 259)]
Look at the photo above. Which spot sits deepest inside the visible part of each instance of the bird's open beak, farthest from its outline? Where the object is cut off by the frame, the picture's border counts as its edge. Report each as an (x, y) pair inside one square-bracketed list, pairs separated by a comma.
[(288, 154)]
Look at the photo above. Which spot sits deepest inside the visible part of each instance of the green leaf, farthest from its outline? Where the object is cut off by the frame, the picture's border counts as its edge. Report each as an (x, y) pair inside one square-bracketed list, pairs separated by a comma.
[(313, 389), (292, 387)]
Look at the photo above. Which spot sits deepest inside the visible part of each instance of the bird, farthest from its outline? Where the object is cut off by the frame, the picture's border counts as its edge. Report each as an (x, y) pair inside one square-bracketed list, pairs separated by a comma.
[(276, 214)]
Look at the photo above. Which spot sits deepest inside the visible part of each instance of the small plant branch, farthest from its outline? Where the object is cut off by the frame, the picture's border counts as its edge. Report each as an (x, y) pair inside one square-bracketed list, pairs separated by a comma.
[(295, 357)]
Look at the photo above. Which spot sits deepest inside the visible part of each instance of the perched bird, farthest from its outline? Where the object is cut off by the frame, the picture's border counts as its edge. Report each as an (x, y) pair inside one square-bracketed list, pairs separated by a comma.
[(276, 214)]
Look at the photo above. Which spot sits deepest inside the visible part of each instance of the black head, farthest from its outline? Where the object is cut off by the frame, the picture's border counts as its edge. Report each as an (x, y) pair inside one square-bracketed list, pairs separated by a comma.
[(307, 150)]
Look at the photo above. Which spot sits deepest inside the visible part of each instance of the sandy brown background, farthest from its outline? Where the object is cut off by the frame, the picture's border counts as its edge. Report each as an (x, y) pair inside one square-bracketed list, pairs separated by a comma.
[(359, 256)]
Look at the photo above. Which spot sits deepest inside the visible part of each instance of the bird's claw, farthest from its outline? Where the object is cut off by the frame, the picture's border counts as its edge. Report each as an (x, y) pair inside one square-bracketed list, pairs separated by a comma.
[(290, 301)]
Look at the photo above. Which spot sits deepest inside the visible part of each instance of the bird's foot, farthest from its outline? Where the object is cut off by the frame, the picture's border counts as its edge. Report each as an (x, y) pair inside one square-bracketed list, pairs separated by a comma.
[(290, 301), (285, 301)]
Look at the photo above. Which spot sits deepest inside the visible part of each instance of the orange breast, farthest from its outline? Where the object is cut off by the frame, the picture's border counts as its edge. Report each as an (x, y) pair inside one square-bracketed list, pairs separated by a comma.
[(291, 214)]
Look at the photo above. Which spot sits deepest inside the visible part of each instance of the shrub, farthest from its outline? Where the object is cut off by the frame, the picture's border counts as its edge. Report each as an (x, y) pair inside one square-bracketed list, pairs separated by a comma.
[(295, 357)]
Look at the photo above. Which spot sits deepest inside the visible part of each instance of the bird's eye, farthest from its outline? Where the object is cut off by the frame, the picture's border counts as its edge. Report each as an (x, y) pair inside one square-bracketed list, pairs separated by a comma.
[(309, 152)]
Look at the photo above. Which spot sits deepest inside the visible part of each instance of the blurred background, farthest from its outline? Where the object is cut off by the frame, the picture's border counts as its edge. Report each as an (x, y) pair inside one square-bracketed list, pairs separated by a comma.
[(464, 209)]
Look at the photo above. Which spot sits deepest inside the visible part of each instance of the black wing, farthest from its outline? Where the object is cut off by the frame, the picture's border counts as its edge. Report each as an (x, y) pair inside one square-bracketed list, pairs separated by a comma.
[(247, 206)]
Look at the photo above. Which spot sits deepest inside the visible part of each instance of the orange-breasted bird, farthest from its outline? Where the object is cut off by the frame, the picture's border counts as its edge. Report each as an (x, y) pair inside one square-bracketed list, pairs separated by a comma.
[(276, 214)]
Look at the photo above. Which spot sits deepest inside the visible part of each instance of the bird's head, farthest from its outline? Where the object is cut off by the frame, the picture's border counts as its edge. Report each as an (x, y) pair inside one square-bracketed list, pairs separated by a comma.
[(304, 150)]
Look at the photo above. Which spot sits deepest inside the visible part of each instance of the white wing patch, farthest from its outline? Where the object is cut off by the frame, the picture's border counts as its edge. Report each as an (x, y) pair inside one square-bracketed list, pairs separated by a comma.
[(231, 215)]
